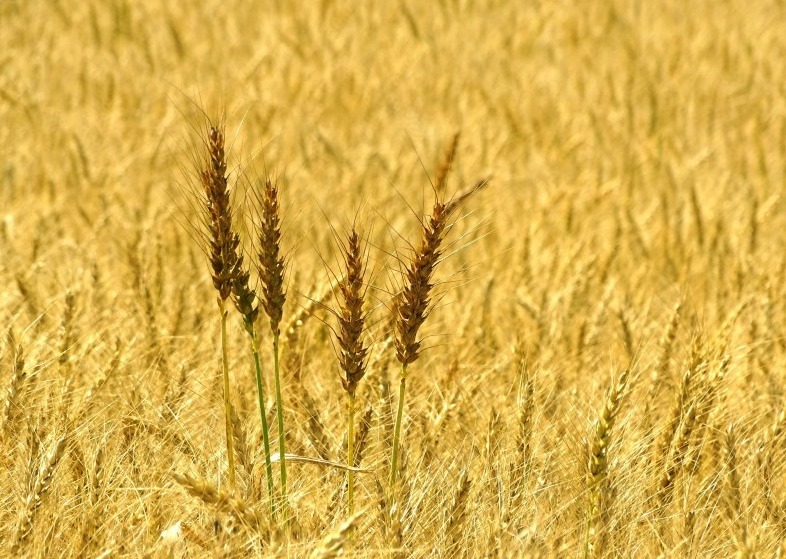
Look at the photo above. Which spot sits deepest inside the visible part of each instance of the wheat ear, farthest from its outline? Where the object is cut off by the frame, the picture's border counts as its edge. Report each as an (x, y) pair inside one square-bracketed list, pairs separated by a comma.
[(457, 513), (18, 375), (333, 545), (223, 502), (597, 465), (35, 497)]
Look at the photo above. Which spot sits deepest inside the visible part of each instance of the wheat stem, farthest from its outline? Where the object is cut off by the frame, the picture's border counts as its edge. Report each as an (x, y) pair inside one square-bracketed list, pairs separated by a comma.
[(351, 456), (280, 418), (397, 430), (263, 416), (270, 266), (227, 403)]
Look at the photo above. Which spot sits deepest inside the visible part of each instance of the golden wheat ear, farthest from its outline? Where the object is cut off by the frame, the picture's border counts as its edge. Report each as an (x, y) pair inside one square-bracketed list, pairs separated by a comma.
[(597, 463), (353, 352)]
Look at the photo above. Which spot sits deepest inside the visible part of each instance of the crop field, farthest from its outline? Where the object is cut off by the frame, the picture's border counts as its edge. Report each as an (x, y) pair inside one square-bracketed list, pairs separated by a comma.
[(396, 279)]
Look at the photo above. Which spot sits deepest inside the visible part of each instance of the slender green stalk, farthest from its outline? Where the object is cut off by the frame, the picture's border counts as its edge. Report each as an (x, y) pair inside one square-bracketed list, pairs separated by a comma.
[(351, 457), (265, 429), (397, 429), (281, 442), (227, 403)]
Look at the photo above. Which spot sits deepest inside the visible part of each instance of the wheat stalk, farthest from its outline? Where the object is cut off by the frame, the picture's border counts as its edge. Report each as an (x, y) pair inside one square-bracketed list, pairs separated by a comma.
[(353, 352), (412, 304), (224, 254), (245, 300), (270, 265)]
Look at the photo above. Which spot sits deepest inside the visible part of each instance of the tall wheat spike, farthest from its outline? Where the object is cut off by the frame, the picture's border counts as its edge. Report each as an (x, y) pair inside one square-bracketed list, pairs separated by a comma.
[(270, 265), (224, 255), (412, 304), (353, 352)]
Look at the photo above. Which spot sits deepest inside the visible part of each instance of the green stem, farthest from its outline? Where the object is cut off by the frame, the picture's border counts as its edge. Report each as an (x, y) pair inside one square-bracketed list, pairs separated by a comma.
[(227, 403), (351, 456), (265, 430), (281, 444), (397, 430)]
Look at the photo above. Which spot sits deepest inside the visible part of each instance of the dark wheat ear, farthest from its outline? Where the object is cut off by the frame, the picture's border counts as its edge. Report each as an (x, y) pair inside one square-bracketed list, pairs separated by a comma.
[(353, 353), (412, 304), (226, 261), (351, 314), (270, 262), (224, 243)]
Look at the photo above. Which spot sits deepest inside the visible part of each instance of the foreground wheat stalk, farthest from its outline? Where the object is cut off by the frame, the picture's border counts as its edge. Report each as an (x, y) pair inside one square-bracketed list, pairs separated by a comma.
[(270, 266), (224, 256), (353, 352), (412, 304), (227, 401), (244, 299)]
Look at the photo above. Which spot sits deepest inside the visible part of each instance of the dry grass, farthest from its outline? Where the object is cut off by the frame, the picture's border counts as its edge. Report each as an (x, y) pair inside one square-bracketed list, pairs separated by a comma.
[(633, 223)]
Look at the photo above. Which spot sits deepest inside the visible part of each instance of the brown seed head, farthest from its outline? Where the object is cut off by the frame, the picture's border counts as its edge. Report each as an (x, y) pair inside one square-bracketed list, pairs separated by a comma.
[(411, 304), (225, 259), (270, 263), (244, 298), (351, 317)]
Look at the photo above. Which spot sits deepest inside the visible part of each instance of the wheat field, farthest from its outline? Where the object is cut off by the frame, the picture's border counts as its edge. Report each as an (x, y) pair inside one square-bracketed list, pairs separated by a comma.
[(602, 369)]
